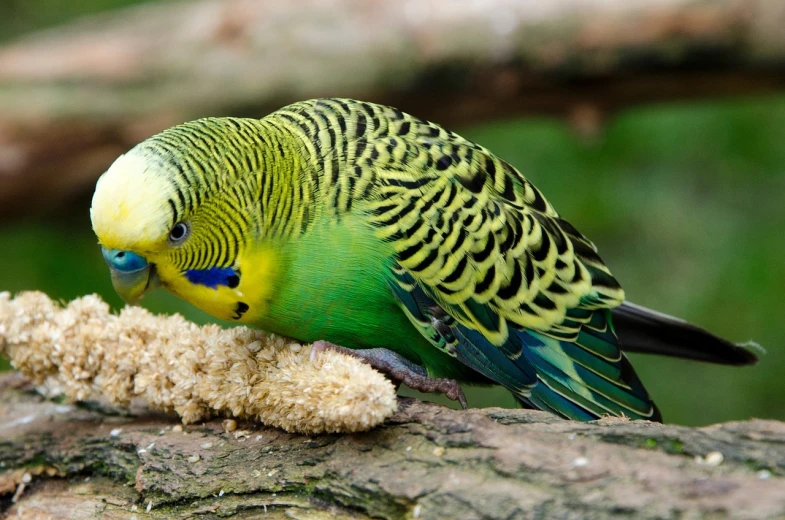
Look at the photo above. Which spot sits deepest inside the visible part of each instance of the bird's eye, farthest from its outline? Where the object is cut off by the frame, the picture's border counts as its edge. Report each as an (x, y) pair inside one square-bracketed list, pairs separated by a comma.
[(178, 232)]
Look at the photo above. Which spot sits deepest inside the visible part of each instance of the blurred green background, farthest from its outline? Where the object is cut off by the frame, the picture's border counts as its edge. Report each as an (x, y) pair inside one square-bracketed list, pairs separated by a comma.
[(685, 201), (18, 17)]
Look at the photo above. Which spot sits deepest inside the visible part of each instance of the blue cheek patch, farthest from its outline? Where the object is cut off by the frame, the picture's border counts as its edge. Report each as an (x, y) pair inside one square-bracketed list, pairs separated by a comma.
[(213, 277)]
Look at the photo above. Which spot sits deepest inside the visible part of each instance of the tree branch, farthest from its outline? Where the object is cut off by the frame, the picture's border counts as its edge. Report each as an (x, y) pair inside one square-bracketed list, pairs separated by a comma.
[(426, 462), (74, 98)]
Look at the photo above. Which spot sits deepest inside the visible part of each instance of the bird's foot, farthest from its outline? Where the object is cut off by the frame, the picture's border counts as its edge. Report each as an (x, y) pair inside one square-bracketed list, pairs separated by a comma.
[(399, 369)]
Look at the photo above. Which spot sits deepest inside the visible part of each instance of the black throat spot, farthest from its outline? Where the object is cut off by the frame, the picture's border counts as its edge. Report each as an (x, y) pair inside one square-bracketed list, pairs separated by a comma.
[(240, 309)]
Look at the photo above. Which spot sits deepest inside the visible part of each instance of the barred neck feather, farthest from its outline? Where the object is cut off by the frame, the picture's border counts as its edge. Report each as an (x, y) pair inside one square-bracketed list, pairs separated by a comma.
[(210, 170)]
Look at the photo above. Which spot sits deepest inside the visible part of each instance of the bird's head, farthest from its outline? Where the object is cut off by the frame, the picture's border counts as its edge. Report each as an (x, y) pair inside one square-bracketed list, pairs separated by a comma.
[(135, 225), (176, 211)]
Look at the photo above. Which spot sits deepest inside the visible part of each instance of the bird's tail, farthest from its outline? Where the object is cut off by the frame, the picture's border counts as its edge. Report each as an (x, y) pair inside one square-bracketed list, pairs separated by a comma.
[(643, 330)]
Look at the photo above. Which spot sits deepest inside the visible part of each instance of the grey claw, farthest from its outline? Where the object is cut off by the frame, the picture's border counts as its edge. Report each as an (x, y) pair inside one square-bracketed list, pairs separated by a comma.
[(399, 369)]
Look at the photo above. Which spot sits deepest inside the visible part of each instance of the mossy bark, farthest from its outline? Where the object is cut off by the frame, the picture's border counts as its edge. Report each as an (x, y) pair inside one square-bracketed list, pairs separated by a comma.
[(426, 462), (74, 98)]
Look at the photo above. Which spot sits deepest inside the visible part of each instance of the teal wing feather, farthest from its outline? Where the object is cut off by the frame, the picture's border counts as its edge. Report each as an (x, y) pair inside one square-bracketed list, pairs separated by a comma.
[(583, 378)]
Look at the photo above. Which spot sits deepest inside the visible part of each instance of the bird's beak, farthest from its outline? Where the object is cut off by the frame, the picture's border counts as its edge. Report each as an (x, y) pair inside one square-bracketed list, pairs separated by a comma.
[(132, 275)]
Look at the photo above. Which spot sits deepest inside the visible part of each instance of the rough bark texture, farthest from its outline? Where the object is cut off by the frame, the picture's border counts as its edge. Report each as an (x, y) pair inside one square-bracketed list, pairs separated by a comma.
[(427, 462), (74, 98)]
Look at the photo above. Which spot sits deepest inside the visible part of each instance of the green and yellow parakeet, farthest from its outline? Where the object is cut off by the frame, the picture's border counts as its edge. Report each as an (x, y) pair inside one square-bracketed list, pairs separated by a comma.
[(366, 227)]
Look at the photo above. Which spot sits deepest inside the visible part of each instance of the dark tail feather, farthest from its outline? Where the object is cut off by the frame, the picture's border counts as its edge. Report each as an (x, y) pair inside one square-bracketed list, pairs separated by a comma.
[(643, 330)]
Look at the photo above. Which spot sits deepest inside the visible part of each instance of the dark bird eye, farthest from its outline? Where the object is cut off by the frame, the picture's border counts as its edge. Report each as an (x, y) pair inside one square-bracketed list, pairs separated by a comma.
[(178, 232)]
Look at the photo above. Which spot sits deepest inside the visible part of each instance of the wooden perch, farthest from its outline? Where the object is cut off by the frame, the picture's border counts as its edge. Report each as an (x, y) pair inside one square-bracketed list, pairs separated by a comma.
[(74, 98), (426, 462)]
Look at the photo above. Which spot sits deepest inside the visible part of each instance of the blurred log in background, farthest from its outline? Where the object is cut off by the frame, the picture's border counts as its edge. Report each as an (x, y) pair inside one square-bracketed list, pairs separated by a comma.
[(75, 97)]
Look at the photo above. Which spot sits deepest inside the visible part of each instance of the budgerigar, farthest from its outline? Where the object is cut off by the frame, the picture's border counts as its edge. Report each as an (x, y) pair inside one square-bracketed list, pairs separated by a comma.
[(358, 226)]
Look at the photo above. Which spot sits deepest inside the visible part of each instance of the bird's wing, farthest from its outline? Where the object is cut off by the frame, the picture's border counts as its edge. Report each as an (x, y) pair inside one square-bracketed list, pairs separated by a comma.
[(491, 275)]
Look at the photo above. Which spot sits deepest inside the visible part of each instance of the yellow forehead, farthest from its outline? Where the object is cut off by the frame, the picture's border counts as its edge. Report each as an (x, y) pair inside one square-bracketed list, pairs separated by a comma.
[(130, 209)]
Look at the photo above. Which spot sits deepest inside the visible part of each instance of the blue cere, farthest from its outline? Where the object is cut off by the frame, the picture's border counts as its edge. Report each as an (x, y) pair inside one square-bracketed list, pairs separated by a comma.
[(123, 261), (213, 277)]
